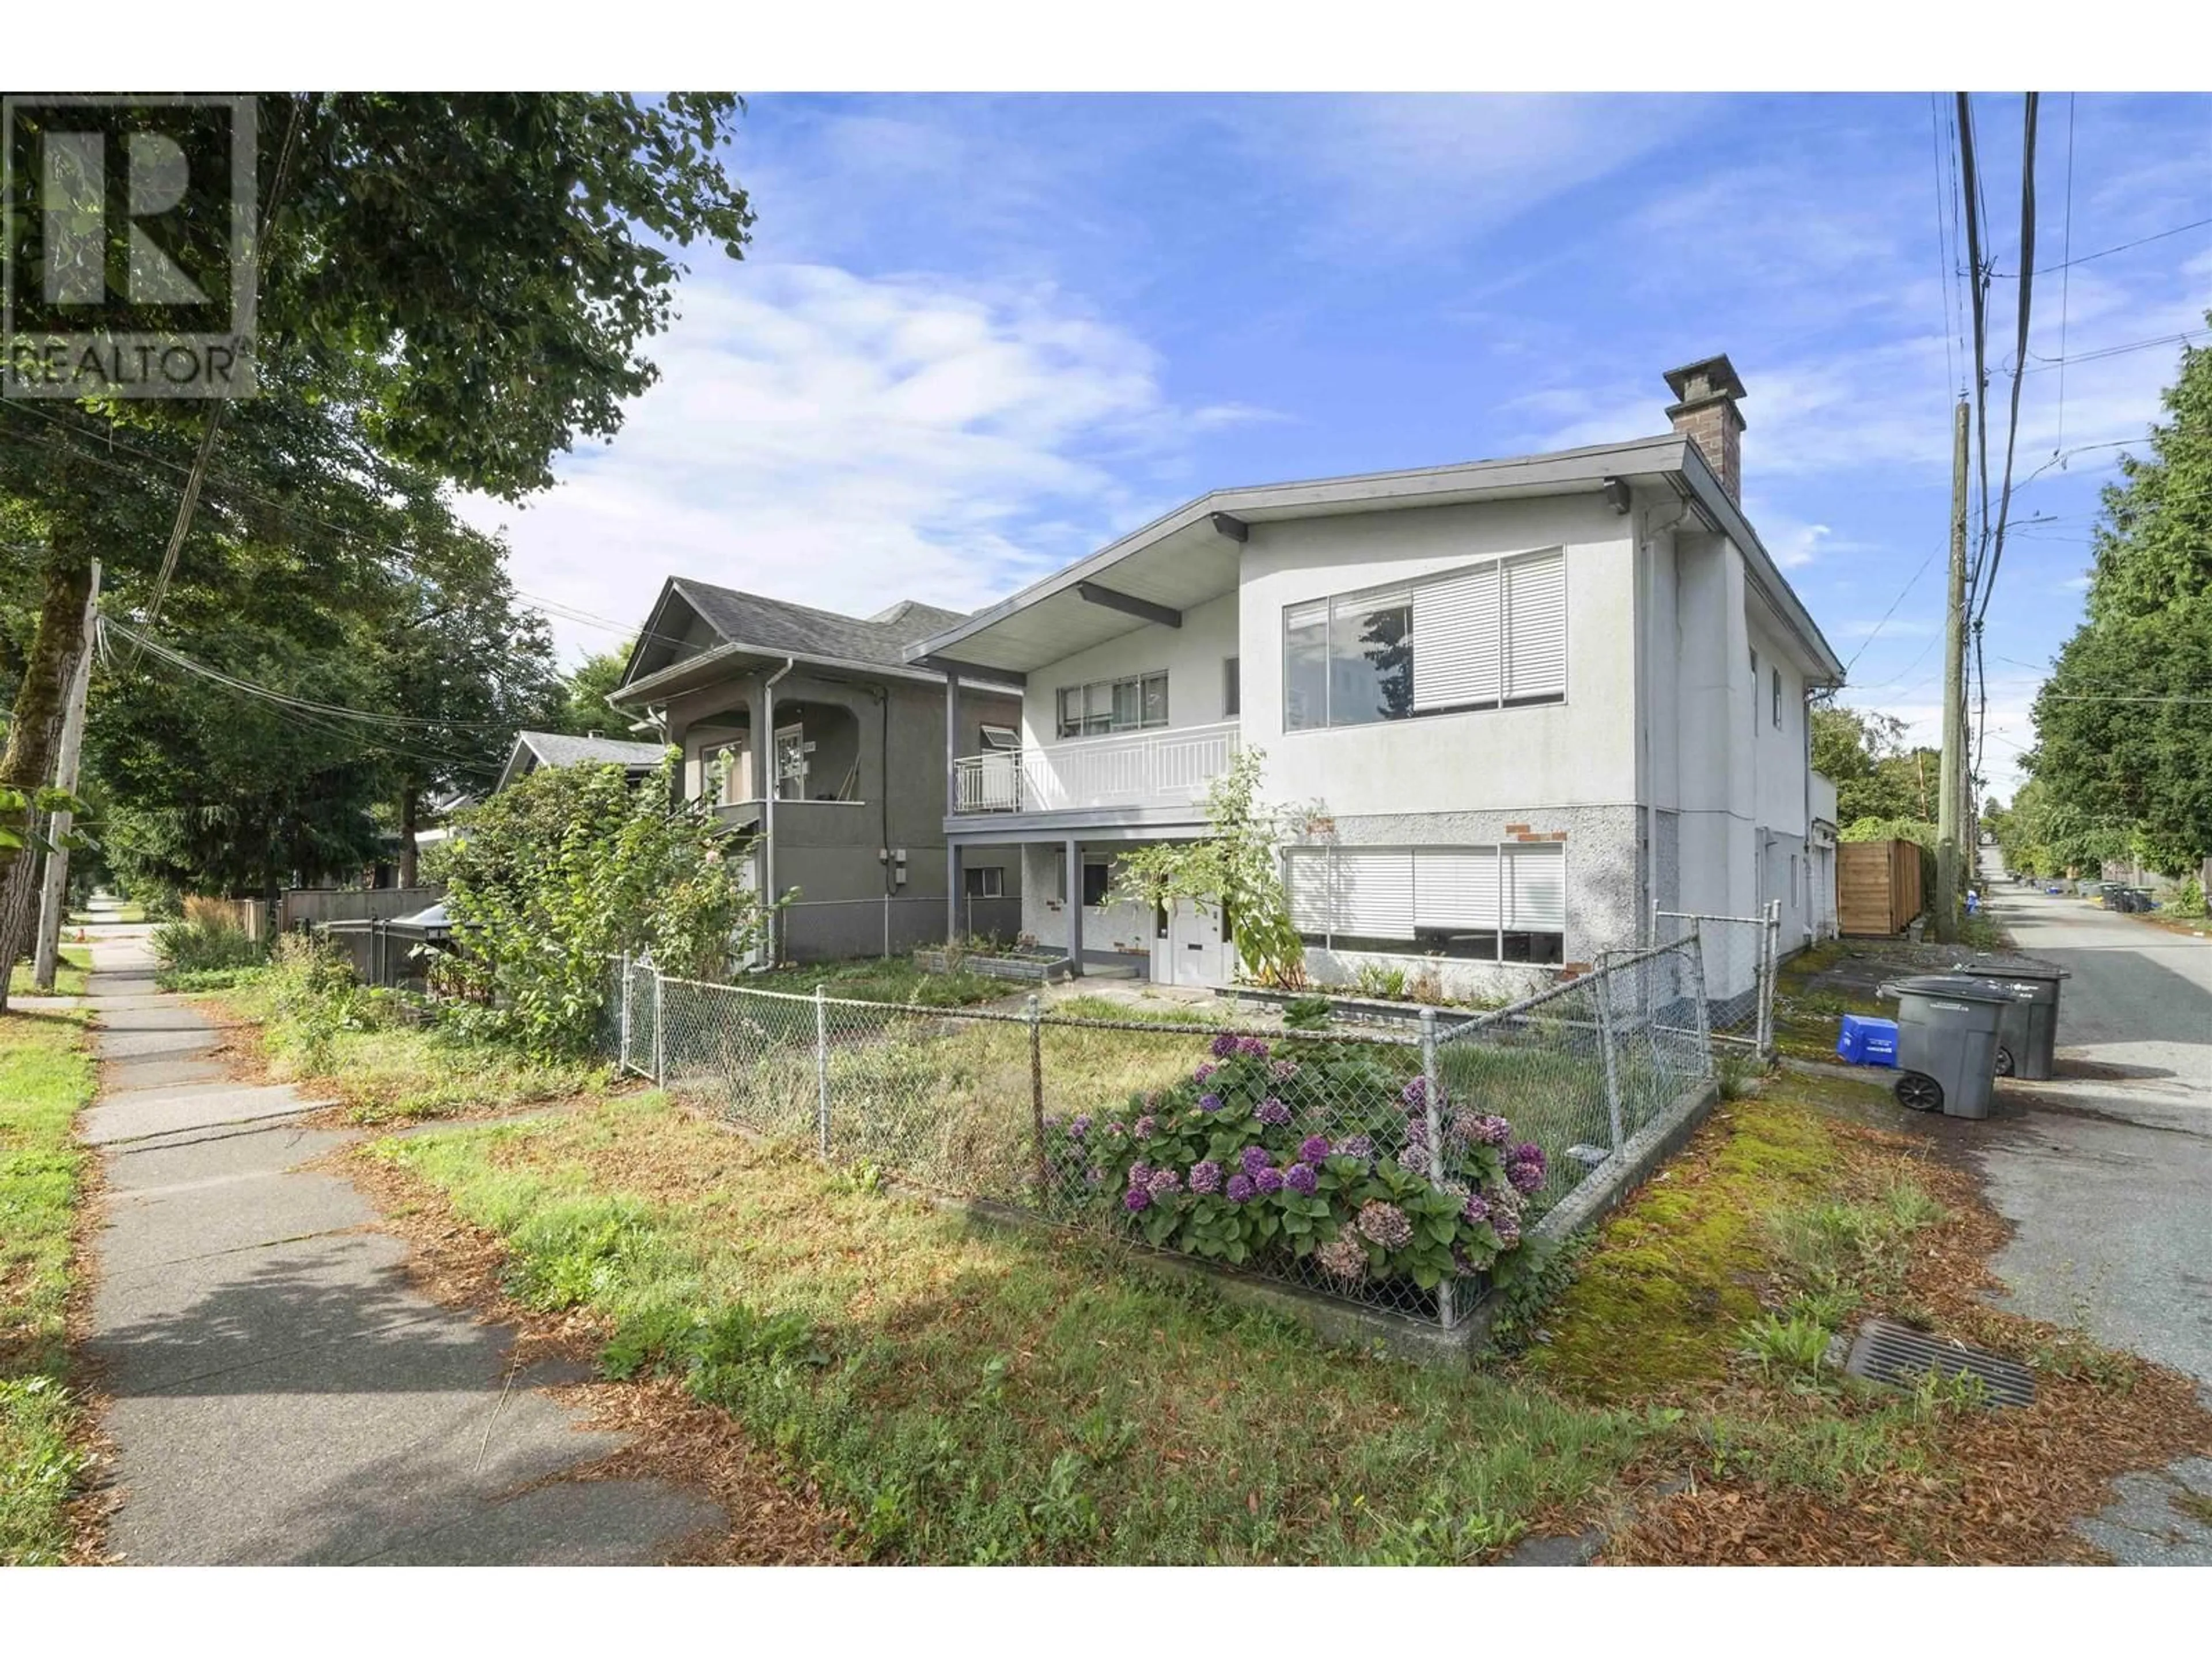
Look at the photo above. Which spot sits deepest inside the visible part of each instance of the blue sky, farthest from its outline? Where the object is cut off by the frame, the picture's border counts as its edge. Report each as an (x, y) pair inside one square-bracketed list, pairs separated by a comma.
[(976, 338)]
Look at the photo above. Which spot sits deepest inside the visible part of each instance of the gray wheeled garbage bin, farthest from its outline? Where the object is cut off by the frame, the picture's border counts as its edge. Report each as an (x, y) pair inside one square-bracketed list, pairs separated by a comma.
[(1946, 1041), (2027, 1035)]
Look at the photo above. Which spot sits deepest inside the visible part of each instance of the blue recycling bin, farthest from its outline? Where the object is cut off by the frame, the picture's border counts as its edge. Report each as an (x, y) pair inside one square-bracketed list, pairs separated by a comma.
[(1866, 1041)]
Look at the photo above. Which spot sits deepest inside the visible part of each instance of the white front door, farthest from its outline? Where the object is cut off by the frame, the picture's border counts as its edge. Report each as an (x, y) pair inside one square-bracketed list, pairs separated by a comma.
[(1193, 948)]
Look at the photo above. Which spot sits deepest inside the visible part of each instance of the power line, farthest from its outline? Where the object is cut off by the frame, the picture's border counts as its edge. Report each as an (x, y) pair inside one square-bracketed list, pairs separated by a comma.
[(2065, 275), (1977, 289), (2102, 253), (1887, 614), (2043, 365), (2026, 295), (1942, 242)]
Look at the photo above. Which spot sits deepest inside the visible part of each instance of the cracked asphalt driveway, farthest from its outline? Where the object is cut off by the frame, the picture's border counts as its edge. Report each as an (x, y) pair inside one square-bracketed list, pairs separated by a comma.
[(2106, 1172)]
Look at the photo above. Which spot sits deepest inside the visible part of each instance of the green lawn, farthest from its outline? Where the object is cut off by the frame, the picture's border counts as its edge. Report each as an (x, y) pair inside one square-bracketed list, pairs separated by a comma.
[(965, 1394), (45, 1077), (365, 1054), (69, 974), (893, 979)]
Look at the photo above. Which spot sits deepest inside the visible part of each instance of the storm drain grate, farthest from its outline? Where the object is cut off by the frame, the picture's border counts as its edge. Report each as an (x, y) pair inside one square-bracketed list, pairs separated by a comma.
[(1901, 1356)]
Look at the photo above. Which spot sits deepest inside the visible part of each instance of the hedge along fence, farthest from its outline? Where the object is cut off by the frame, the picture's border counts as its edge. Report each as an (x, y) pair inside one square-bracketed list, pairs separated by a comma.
[(1396, 1171)]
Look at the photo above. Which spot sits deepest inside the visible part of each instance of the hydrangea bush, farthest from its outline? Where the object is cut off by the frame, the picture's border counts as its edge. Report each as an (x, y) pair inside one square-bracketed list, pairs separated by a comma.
[(1314, 1152)]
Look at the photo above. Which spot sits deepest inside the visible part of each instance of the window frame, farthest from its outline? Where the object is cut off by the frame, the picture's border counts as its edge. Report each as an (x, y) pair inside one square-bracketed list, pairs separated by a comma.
[(1370, 598), (1232, 688), (997, 878), (721, 793), (1104, 865), (1508, 939), (1103, 709)]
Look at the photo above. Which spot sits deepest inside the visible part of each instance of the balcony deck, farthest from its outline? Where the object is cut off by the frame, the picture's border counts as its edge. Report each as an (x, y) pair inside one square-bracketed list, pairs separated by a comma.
[(1131, 773)]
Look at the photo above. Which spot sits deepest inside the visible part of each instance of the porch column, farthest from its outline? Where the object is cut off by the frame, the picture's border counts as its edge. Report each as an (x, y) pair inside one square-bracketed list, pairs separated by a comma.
[(952, 805), (1073, 898)]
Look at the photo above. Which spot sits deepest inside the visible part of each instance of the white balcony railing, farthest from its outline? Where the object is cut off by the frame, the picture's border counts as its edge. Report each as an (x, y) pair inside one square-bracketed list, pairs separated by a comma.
[(1137, 768)]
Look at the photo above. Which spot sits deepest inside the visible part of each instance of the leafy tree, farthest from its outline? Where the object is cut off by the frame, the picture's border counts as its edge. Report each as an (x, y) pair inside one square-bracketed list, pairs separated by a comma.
[(455, 284), (586, 709), (573, 866), (2124, 726), (1233, 865), (1875, 773)]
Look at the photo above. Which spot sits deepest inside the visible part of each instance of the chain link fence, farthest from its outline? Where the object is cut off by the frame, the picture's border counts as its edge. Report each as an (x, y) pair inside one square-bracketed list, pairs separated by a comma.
[(1385, 1168), (1738, 955)]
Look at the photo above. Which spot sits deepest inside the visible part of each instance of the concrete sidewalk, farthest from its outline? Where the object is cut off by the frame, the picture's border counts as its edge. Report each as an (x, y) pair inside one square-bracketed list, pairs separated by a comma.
[(279, 1393)]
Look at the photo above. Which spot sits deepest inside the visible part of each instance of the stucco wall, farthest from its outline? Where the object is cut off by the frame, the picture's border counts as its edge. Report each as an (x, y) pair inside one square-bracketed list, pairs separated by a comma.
[(1580, 752), (1192, 656), (1779, 766)]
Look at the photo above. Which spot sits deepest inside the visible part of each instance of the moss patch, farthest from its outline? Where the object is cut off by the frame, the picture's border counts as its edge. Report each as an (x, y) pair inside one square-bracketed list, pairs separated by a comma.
[(1678, 1270)]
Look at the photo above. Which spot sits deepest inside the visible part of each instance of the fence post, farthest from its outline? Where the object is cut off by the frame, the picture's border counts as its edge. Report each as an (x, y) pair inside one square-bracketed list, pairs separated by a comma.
[(1769, 937), (1432, 1099), (659, 1027), (622, 1038), (377, 951), (1034, 1011), (1695, 956), (1602, 986), (887, 927), (822, 1067)]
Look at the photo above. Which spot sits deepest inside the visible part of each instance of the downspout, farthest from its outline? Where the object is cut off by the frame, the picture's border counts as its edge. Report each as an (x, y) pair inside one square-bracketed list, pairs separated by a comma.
[(883, 698), (768, 800)]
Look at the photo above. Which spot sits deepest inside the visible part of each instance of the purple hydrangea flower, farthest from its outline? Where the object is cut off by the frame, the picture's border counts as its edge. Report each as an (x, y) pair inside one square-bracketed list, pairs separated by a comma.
[(1224, 1047), (1508, 1227), (1357, 1147), (1094, 1174), (1342, 1258), (1386, 1224), (1283, 1070), (1301, 1179), (1524, 1167), (1147, 1127), (1163, 1182), (1476, 1211), (1136, 1199), (1116, 1131), (1269, 1180), (1416, 1132), (1079, 1128), (1205, 1176), (1140, 1173), (1414, 1158), (1209, 1103), (1239, 1188), (1254, 1047), (1271, 1110), (1206, 1068), (1415, 1094), (1253, 1159), (1493, 1131), (1314, 1148)]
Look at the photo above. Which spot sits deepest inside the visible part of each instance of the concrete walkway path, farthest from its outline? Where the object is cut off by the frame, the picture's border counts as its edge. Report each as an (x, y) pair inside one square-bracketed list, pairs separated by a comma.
[(279, 1393)]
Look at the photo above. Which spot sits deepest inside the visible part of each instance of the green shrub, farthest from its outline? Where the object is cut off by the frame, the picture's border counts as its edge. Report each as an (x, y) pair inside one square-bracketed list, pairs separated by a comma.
[(1791, 1346), (2188, 899), (1375, 979), (205, 943)]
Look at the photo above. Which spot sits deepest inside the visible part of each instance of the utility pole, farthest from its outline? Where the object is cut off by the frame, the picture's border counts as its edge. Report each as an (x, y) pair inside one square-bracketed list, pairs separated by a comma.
[(54, 897), (1950, 795)]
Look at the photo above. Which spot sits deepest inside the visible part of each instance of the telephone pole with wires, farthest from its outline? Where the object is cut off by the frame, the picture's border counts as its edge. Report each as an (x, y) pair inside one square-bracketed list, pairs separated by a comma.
[(53, 894), (1951, 791)]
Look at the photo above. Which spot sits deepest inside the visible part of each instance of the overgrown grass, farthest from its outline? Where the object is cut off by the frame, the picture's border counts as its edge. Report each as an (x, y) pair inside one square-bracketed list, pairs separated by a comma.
[(896, 979), (45, 1076), (961, 1393), (204, 943), (70, 971), (197, 981), (375, 1052)]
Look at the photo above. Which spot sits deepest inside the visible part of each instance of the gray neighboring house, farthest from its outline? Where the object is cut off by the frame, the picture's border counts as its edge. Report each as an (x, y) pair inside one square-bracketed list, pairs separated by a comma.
[(811, 730), (535, 749)]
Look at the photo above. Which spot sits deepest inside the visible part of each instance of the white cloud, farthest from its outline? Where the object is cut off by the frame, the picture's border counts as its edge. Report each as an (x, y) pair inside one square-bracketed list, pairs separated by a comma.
[(847, 442)]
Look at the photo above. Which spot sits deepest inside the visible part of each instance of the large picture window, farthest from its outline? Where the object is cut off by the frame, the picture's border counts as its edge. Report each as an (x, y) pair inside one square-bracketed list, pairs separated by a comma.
[(1483, 903), (1485, 635), (1108, 706)]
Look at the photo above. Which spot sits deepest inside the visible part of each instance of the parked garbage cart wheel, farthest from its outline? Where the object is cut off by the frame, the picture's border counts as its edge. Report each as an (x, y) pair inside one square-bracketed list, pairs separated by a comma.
[(1916, 1091), (2004, 1061)]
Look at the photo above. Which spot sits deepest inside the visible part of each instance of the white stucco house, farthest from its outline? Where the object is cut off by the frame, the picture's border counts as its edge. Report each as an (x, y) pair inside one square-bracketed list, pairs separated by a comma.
[(1515, 703)]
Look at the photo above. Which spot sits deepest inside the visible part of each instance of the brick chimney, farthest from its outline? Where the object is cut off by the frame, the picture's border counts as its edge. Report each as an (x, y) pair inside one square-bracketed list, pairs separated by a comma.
[(1705, 412)]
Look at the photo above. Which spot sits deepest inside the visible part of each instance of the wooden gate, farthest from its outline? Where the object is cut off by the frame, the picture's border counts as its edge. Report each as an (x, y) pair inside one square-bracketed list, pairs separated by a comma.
[(1877, 886)]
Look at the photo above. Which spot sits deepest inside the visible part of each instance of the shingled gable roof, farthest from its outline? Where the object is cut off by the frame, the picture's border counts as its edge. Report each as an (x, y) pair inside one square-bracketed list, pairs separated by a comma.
[(754, 622), (558, 749)]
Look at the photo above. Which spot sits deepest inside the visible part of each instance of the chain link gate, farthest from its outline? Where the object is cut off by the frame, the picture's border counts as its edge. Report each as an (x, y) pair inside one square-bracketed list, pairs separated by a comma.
[(1738, 955)]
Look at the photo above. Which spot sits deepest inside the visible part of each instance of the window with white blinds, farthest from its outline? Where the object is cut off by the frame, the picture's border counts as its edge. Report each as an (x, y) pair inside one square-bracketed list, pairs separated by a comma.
[(1483, 635), (1489, 902)]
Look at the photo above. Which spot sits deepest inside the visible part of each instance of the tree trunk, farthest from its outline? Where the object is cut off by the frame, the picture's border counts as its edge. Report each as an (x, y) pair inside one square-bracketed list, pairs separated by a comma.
[(29, 757), (410, 800)]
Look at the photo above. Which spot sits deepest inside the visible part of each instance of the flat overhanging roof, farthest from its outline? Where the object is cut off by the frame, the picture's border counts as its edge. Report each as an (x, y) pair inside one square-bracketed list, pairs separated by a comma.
[(1187, 557)]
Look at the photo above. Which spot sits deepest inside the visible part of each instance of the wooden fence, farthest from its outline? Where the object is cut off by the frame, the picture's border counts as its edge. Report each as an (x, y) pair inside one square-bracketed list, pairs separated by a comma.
[(303, 905), (1877, 886), (250, 914)]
